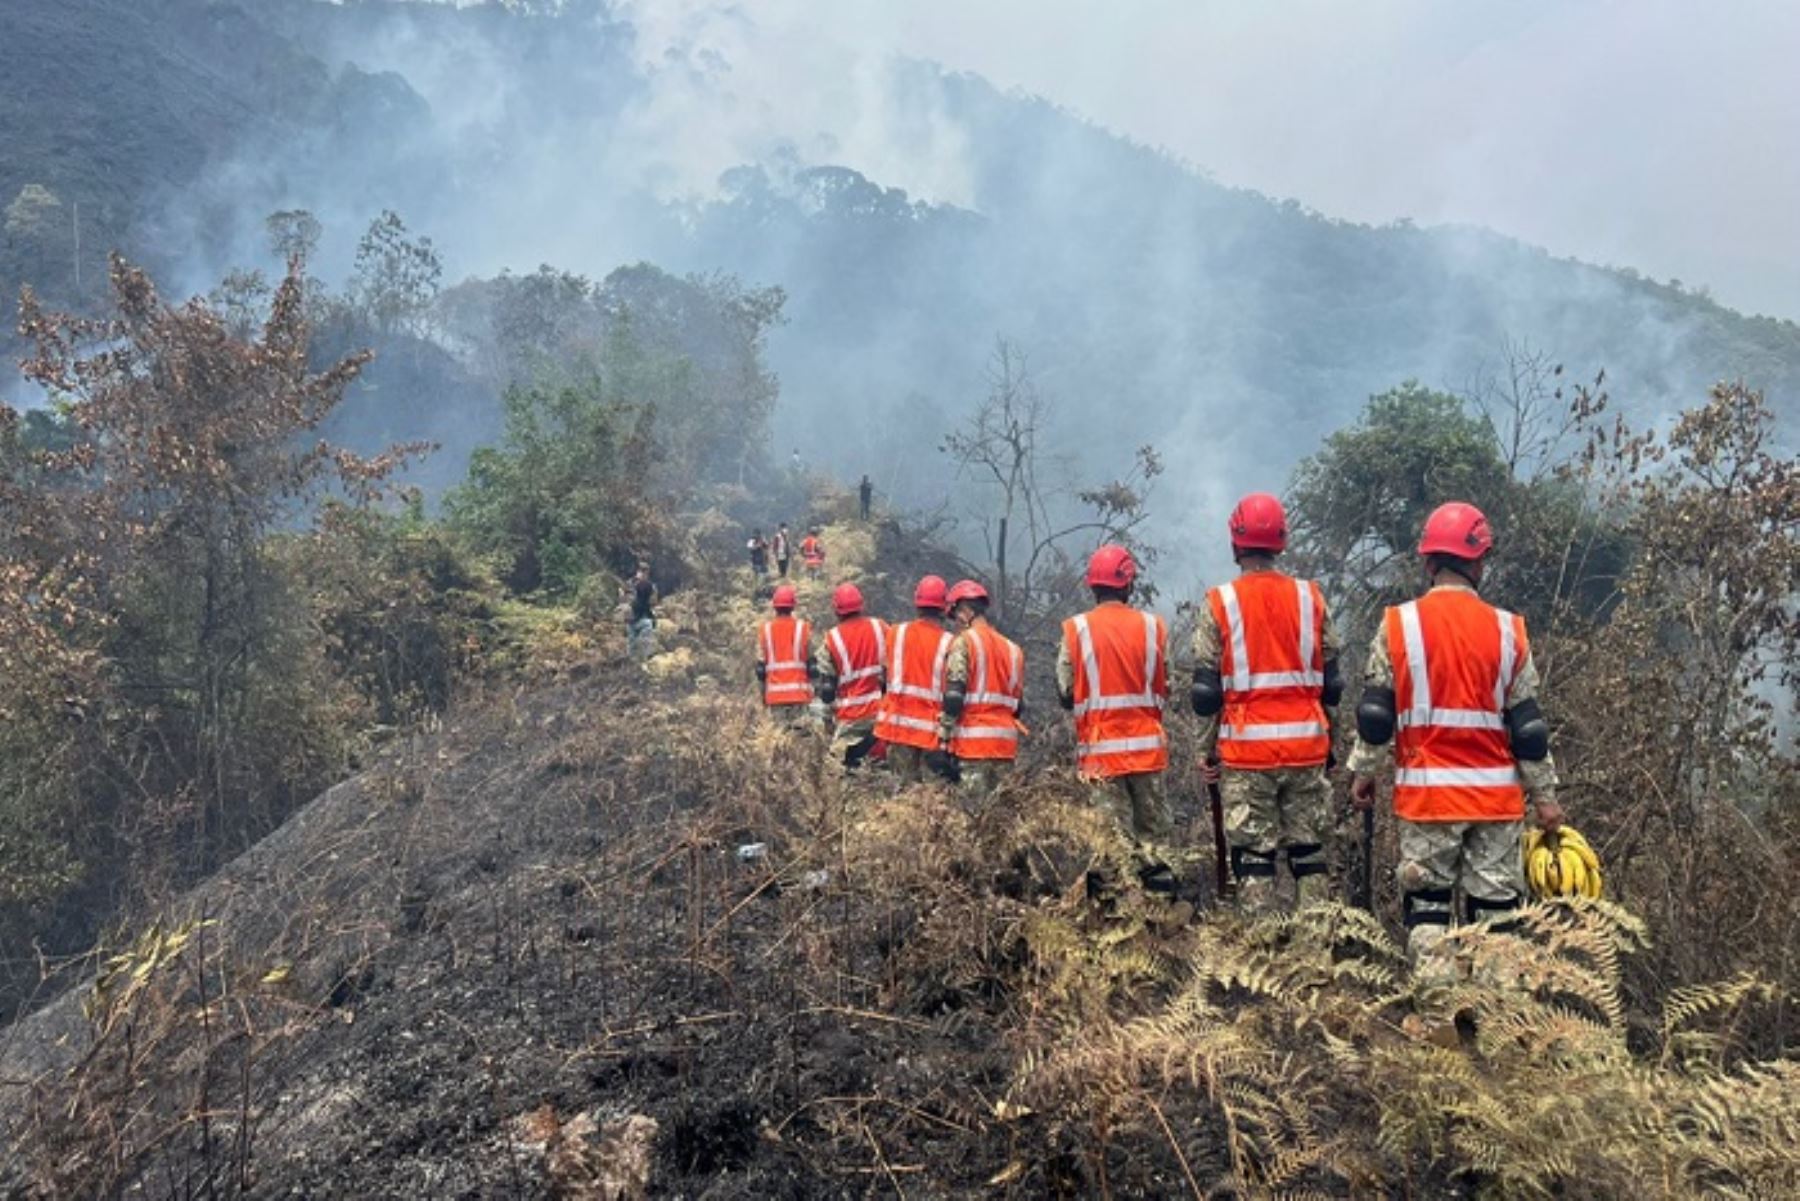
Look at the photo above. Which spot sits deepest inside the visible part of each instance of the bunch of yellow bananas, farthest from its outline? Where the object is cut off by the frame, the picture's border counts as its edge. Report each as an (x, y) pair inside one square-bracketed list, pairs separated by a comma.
[(1561, 864)]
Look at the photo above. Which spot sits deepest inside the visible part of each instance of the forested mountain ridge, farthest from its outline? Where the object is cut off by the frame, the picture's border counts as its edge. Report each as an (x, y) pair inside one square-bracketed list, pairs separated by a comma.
[(1212, 321), (118, 106)]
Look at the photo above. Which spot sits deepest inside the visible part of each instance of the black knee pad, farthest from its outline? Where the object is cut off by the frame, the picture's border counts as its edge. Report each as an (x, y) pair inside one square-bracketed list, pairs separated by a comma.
[(1246, 863), (1426, 907), (1157, 878), (857, 752), (1499, 915), (1307, 859)]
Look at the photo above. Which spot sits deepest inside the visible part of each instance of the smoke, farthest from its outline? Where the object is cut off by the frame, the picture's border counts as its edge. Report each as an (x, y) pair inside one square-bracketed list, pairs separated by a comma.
[(1156, 306)]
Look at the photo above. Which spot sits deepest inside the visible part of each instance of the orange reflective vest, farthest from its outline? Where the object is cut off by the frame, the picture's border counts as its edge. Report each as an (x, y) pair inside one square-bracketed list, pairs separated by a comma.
[(988, 727), (782, 649), (858, 650), (1121, 685), (812, 551), (915, 685), (1455, 658), (1272, 664)]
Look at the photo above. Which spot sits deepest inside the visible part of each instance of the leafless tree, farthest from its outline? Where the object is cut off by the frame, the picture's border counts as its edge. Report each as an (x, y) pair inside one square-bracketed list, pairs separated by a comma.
[(1001, 446), (1522, 401)]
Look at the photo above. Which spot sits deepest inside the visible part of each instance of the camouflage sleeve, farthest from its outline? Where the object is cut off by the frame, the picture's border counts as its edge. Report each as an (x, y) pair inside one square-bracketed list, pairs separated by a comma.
[(1378, 672), (1160, 685), (1539, 775), (824, 665), (956, 677), (1208, 651), (1333, 644), (1065, 673)]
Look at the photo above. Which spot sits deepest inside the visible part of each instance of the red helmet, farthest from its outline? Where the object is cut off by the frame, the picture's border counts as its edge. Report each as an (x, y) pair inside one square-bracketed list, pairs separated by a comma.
[(1111, 567), (966, 590), (1459, 529), (930, 594), (1259, 523), (786, 597), (847, 600)]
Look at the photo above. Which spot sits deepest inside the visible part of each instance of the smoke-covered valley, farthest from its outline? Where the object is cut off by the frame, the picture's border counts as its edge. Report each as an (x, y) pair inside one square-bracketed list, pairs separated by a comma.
[(911, 214)]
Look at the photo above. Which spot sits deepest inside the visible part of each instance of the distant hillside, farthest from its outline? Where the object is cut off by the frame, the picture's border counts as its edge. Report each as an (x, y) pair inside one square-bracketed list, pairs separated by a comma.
[(1156, 305), (119, 105), (1159, 306)]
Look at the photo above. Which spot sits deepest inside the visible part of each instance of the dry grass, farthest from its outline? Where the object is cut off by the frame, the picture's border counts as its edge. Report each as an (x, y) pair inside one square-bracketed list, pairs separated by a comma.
[(541, 915)]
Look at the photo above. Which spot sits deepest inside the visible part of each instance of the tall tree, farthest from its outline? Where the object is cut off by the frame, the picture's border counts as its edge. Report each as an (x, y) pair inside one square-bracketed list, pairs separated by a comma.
[(151, 530), (396, 276)]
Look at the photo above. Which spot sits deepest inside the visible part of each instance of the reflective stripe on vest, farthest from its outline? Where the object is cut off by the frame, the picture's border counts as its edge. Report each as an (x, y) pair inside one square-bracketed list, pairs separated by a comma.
[(1460, 777), (904, 722), (858, 674), (1272, 717), (1120, 690), (915, 685), (988, 726), (784, 680), (1453, 756), (1274, 731)]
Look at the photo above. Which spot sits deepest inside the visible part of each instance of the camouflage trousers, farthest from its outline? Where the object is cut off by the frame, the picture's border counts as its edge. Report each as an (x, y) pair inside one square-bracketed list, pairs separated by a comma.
[(1268, 812), (979, 777), (789, 715), (640, 638), (1139, 806), (851, 741), (1437, 858), (906, 762)]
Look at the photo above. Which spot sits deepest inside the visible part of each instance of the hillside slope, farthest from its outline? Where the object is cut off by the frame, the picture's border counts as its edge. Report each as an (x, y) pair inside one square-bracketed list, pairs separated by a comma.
[(528, 956)]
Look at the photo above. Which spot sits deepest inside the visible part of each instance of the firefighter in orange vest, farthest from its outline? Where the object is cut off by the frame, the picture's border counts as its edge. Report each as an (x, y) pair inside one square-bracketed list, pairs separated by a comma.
[(850, 661), (984, 693), (1451, 690), (910, 708), (1265, 679), (812, 553), (1112, 672), (784, 666)]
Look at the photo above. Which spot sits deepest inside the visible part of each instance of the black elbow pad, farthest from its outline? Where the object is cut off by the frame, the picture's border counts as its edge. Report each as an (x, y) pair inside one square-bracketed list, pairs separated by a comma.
[(1208, 693), (1529, 731), (762, 671), (828, 689), (1375, 716), (953, 703), (1066, 700), (1333, 692)]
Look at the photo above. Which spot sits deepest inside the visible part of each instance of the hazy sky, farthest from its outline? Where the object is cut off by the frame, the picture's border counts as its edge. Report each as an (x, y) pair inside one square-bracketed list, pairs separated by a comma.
[(1647, 133)]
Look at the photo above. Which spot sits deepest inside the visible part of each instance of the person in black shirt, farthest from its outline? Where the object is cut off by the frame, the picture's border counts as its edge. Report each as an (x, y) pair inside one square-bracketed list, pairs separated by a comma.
[(865, 492), (640, 630), (759, 555)]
